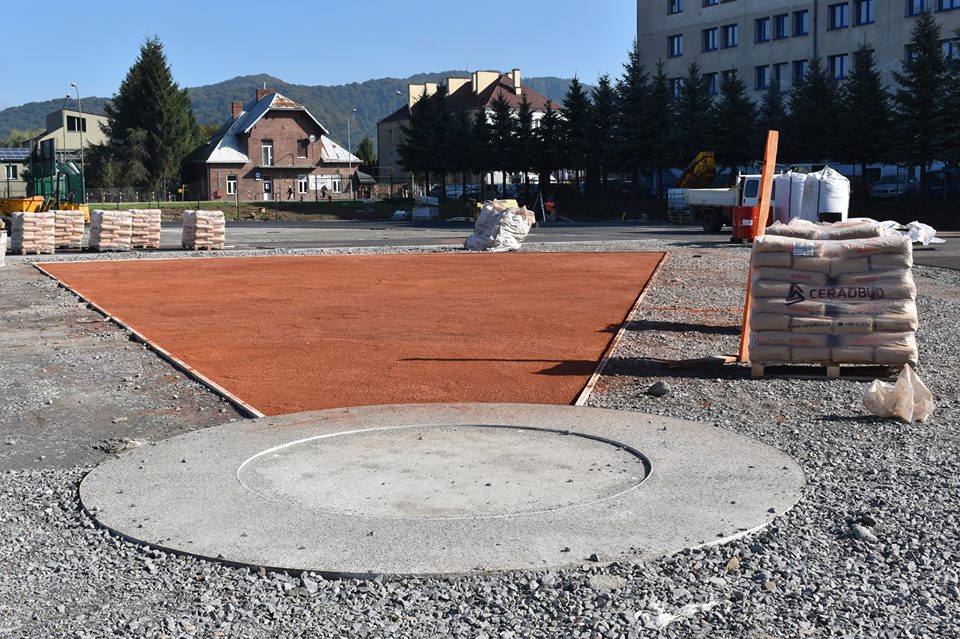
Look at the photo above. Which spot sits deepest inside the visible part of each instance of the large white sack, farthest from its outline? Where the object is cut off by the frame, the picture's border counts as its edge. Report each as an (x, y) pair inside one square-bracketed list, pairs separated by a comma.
[(825, 191), (789, 190), (499, 228)]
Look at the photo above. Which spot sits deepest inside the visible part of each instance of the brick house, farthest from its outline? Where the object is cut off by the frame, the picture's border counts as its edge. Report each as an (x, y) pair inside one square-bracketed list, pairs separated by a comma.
[(270, 148)]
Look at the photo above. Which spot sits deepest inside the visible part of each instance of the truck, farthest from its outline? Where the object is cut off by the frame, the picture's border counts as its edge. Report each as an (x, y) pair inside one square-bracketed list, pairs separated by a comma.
[(713, 208)]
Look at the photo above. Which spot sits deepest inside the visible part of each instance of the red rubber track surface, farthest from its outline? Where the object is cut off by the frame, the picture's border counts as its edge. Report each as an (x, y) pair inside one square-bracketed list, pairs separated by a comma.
[(290, 334)]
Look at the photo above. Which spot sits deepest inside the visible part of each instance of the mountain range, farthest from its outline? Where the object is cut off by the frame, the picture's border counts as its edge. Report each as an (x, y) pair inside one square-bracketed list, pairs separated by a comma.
[(373, 100)]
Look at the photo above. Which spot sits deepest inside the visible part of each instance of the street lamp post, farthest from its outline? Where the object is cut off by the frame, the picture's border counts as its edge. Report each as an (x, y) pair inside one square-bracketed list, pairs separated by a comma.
[(83, 175), (63, 153)]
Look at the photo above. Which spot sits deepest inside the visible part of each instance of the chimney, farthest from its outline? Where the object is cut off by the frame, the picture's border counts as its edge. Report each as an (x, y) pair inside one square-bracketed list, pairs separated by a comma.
[(454, 84), (516, 81), (261, 93), (236, 108)]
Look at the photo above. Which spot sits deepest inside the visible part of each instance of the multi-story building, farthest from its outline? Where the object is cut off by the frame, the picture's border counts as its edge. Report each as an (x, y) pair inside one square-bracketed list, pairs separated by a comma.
[(774, 40)]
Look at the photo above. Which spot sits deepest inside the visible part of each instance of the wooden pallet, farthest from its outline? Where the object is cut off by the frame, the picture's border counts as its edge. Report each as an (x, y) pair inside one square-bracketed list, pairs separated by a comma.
[(858, 372)]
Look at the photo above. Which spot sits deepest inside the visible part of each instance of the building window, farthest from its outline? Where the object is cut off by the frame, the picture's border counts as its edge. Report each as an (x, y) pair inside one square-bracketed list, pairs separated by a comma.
[(337, 184), (11, 171), (908, 53), (675, 46), (266, 152), (728, 35), (800, 70), (674, 6), (728, 76), (710, 39), (838, 16), (675, 85), (780, 28), (76, 124), (302, 146), (710, 3), (946, 5), (780, 75), (710, 81), (916, 7), (801, 22), (951, 49), (762, 29), (231, 185), (838, 66), (761, 77), (301, 184), (865, 11)]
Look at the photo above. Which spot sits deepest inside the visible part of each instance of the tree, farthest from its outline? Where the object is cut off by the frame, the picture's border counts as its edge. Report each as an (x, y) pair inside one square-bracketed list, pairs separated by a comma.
[(548, 147), (480, 155), (634, 118), (949, 122), (413, 149), (772, 113), (865, 113), (19, 137), (661, 124), (734, 124), (501, 137), (577, 129), (920, 97), (603, 133), (812, 131), (150, 101), (367, 154), (692, 117), (523, 141)]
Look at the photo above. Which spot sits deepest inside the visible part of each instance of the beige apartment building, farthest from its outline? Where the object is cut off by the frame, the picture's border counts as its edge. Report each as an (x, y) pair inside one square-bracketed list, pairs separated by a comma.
[(767, 40)]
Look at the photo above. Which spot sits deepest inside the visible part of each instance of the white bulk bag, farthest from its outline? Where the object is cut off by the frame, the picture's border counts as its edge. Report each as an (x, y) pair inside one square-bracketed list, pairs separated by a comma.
[(825, 191), (789, 190)]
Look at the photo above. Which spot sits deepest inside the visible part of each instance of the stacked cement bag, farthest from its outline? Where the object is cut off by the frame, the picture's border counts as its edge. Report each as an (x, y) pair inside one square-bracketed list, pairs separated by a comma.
[(33, 232), (110, 230), (789, 190), (499, 228), (203, 230), (145, 228), (825, 191), (68, 229), (846, 296)]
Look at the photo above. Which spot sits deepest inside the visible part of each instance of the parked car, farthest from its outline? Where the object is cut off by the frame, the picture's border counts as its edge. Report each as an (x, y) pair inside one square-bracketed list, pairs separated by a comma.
[(943, 185), (890, 187)]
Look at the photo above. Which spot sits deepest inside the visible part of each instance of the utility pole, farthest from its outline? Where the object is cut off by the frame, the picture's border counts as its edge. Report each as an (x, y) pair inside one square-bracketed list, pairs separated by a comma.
[(83, 175)]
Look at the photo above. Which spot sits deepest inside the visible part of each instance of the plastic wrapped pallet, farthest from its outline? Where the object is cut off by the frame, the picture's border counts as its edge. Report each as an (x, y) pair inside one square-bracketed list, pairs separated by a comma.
[(110, 230), (68, 229), (33, 232), (203, 230), (145, 228), (849, 300)]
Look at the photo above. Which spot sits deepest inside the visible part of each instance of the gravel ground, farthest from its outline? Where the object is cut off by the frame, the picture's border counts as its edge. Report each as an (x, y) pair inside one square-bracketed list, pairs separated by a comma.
[(871, 550)]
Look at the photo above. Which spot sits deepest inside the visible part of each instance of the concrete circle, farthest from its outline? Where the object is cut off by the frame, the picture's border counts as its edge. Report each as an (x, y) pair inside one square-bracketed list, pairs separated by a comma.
[(365, 491), (443, 472)]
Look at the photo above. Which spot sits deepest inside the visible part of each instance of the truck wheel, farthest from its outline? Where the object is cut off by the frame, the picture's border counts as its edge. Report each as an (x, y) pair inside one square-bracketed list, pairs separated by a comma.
[(712, 222)]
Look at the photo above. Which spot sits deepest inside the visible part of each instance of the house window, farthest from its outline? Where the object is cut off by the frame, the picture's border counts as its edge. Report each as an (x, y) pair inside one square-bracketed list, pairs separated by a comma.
[(800, 70), (838, 66), (762, 29), (675, 46), (11, 171), (337, 184), (266, 152), (761, 77), (838, 15), (780, 75), (302, 146), (729, 36), (865, 11), (76, 124), (231, 185), (916, 7), (781, 29), (710, 39), (710, 81), (301, 184), (674, 6), (946, 5), (801, 22)]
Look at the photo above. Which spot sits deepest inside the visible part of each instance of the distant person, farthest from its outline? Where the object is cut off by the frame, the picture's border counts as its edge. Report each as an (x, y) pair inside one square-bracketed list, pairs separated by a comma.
[(550, 208), (289, 192), (323, 192)]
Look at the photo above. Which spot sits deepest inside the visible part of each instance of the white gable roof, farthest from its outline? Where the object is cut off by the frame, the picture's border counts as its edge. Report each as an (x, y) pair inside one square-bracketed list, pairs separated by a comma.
[(330, 151)]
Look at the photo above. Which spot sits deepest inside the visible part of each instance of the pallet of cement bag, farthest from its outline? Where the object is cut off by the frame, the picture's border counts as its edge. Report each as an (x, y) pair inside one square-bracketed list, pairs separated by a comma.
[(203, 230), (145, 228), (68, 229), (33, 233), (110, 230)]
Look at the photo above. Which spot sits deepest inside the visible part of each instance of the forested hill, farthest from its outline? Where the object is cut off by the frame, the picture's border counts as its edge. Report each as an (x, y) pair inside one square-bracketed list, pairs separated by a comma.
[(373, 100)]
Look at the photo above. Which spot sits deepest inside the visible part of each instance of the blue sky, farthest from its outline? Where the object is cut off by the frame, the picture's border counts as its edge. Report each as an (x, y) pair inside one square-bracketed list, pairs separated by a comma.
[(94, 42)]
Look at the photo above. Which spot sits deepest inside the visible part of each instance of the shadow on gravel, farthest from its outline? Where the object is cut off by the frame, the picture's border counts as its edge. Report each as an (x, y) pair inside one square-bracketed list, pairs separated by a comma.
[(649, 367), (681, 327)]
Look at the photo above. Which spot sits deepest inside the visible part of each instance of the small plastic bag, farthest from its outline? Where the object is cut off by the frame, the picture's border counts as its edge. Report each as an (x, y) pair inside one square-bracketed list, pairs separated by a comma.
[(908, 399)]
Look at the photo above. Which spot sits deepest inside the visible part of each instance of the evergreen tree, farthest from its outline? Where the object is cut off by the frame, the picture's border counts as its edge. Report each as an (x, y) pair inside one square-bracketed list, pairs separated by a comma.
[(692, 117), (367, 154), (771, 115), (413, 147), (866, 111), (604, 131), (548, 147), (479, 159), (501, 137), (577, 129), (460, 141), (920, 97), (811, 125), (439, 151), (734, 125), (949, 122), (149, 100), (633, 125), (661, 124), (523, 142)]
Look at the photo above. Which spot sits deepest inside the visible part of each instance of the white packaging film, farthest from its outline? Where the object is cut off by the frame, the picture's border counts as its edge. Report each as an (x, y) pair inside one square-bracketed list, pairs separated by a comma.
[(68, 229), (145, 228), (33, 232), (110, 230), (203, 230)]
